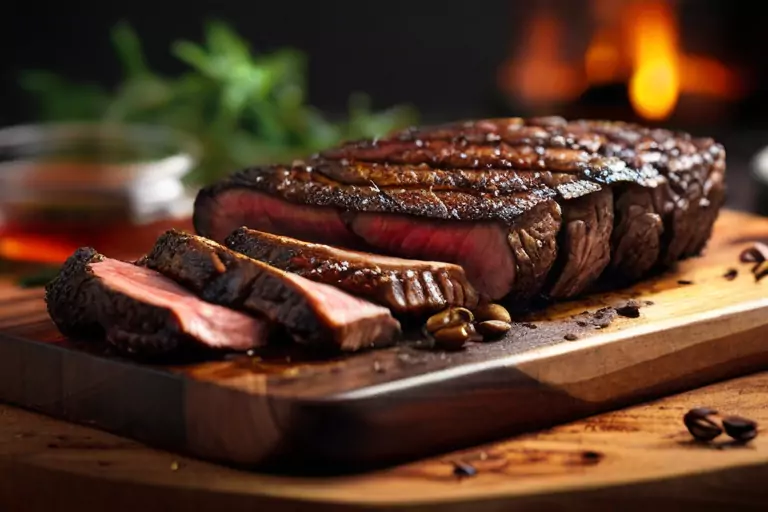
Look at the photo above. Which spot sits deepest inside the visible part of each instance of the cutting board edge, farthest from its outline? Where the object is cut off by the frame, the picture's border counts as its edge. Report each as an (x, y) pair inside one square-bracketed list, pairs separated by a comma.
[(285, 434)]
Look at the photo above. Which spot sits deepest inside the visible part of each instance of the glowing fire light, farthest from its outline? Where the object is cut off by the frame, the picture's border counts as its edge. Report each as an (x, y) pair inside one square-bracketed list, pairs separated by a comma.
[(654, 87), (605, 60), (34, 249), (540, 75), (602, 62), (635, 42)]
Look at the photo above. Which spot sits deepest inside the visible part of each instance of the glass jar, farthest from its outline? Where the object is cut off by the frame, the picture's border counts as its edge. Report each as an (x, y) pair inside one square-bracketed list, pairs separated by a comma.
[(111, 187)]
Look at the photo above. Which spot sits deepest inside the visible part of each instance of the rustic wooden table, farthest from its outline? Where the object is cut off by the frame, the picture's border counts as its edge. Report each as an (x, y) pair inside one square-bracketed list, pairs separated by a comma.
[(637, 458)]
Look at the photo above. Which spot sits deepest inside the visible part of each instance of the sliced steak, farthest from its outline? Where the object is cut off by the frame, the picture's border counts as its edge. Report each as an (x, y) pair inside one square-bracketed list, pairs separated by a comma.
[(239, 207), (520, 254), (460, 193), (410, 287), (139, 311), (302, 185), (637, 237), (533, 240), (585, 244), (313, 313), (475, 246)]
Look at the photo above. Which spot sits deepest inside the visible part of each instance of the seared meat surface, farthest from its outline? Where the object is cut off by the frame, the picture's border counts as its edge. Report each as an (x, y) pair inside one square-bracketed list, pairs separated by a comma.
[(139, 311), (405, 286), (525, 206), (313, 313), (586, 243)]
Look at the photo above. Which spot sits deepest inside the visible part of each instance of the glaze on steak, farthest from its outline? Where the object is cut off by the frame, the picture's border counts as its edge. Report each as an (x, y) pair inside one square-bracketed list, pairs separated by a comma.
[(139, 311), (404, 286), (313, 313), (526, 207)]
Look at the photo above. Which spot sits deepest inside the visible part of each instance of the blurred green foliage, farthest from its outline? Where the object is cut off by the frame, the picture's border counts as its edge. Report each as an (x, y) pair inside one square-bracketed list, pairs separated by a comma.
[(244, 109)]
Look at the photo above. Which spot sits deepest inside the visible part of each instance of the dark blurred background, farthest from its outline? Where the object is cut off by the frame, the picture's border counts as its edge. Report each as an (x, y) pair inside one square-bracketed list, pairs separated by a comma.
[(448, 58), (697, 65)]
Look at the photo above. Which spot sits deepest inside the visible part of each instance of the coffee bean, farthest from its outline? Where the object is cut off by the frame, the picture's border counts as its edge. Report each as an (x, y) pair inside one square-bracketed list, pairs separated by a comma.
[(756, 253), (492, 311), (453, 338), (493, 328), (449, 317), (701, 423), (740, 429)]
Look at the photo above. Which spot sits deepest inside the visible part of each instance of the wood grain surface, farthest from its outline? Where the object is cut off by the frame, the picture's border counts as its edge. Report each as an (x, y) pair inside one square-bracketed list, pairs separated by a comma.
[(634, 459), (287, 412)]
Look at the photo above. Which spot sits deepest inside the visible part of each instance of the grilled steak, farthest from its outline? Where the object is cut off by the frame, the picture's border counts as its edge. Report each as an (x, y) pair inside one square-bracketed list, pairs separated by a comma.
[(139, 311), (404, 286), (586, 243), (524, 206), (314, 313)]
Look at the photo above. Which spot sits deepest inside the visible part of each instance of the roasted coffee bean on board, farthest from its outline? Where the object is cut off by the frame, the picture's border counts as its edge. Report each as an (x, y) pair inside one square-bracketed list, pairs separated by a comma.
[(740, 429), (492, 311), (453, 338), (701, 423), (449, 317), (493, 328)]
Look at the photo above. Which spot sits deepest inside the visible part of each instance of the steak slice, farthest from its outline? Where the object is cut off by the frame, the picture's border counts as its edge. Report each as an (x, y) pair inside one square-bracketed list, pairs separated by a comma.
[(404, 286), (460, 193), (139, 311), (313, 313), (586, 243), (241, 207), (474, 246), (302, 185), (637, 237)]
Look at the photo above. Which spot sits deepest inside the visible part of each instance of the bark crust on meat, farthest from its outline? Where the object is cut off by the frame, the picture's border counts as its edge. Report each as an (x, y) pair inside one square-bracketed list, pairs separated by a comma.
[(468, 182), (586, 244), (313, 313), (411, 287), (84, 304)]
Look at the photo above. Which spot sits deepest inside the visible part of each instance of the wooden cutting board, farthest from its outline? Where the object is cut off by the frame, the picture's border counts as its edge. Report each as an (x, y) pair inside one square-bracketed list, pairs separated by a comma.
[(284, 412)]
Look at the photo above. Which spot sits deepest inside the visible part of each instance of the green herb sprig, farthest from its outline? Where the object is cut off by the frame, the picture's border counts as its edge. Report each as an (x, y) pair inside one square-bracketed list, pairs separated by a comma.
[(243, 108)]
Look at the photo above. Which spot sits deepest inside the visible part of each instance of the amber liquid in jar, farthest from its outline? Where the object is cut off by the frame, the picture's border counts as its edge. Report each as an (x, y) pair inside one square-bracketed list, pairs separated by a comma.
[(84, 186), (52, 243)]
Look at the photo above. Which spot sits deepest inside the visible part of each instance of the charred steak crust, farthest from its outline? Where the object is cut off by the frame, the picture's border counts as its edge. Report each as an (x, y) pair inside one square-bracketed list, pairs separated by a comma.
[(84, 304), (638, 224), (585, 243), (533, 241), (304, 308), (80, 305), (405, 286), (498, 170), (300, 184)]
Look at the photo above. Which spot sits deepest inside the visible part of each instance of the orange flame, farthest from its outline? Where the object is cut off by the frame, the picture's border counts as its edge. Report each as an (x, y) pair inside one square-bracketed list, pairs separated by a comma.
[(654, 87), (635, 42), (605, 60), (708, 77), (540, 74), (602, 62)]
